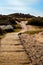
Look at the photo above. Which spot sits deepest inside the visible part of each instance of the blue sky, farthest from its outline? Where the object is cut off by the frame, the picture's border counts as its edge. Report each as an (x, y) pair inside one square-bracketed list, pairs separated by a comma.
[(33, 7)]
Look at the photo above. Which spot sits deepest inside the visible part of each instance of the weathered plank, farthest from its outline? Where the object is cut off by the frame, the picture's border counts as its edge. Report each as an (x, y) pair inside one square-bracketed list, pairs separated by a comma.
[(12, 52)]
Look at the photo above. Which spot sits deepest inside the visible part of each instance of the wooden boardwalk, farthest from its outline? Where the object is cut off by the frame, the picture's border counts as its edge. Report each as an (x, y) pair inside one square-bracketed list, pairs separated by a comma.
[(12, 51)]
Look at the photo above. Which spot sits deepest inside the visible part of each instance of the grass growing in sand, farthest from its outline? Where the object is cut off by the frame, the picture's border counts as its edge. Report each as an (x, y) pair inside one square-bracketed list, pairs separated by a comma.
[(1, 36), (17, 30), (33, 32)]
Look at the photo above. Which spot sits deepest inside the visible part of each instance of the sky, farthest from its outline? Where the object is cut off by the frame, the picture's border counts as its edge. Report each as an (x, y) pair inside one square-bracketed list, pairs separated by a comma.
[(33, 7)]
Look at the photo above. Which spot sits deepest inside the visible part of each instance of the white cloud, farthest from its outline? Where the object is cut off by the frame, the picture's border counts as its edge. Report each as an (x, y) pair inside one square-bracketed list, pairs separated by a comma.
[(18, 6), (20, 2), (9, 10), (13, 2), (31, 1)]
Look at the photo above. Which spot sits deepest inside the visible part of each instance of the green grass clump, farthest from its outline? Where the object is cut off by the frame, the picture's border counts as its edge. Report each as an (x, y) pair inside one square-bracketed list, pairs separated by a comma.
[(32, 32), (17, 30), (1, 36)]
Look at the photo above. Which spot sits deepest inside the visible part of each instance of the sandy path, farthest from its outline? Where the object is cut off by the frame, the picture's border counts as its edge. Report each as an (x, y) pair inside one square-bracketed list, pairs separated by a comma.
[(12, 51)]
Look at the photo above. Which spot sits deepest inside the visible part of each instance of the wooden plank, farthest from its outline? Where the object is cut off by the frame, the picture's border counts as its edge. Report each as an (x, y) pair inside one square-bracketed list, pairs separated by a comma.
[(11, 48), (14, 57), (12, 52)]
